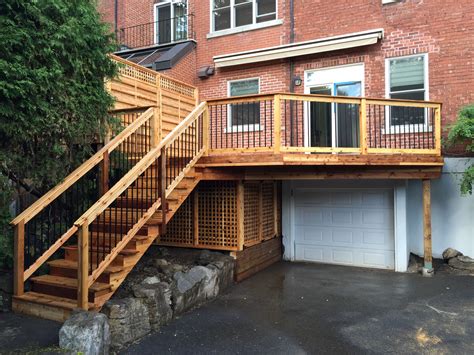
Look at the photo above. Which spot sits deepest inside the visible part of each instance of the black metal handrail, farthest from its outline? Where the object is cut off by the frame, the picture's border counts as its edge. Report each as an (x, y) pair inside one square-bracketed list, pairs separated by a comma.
[(166, 31)]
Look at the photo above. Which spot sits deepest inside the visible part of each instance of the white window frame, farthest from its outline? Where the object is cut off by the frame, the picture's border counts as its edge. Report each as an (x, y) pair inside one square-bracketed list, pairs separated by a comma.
[(253, 25), (240, 128), (172, 16), (407, 128)]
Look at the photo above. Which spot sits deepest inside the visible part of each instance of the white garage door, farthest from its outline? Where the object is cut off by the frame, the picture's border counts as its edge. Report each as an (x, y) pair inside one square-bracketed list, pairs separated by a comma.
[(345, 226)]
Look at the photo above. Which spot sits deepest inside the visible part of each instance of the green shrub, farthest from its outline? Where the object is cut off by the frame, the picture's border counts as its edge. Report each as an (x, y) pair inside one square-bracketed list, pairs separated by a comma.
[(463, 133)]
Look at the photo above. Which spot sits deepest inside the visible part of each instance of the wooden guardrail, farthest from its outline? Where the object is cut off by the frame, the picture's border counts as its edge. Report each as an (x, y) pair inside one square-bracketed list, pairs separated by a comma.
[(168, 161), (46, 225), (324, 124)]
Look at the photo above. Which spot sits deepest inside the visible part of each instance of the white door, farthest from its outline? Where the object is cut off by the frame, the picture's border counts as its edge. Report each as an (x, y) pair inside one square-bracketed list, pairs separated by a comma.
[(345, 226)]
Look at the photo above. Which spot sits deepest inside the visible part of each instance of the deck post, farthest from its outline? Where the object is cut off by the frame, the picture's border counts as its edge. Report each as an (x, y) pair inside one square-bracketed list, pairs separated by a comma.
[(83, 267), (437, 127), (277, 123), (240, 215), (196, 217), (428, 257), (205, 130), (363, 125), (19, 261)]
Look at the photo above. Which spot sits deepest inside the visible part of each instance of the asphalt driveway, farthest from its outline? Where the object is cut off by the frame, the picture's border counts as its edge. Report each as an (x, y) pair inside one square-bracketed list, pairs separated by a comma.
[(310, 308)]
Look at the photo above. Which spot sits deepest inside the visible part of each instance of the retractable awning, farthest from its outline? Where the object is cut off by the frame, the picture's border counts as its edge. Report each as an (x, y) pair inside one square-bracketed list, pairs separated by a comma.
[(327, 44)]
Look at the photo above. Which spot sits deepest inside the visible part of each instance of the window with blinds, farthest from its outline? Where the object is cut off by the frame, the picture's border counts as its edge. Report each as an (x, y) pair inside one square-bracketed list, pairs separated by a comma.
[(245, 115), (407, 81)]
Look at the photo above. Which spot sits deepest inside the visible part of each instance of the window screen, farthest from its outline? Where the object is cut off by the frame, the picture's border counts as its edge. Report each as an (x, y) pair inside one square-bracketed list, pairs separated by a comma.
[(246, 114)]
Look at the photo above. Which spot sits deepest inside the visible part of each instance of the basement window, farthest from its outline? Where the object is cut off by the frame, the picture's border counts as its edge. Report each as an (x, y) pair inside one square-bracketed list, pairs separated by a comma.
[(243, 117), (231, 14), (407, 79)]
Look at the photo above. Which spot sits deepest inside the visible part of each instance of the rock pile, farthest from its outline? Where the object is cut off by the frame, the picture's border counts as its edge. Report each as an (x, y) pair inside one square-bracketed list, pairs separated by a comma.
[(458, 261)]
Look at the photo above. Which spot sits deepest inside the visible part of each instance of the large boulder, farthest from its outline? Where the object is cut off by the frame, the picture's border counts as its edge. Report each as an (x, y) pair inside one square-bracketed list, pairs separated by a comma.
[(157, 297), (128, 319), (462, 263), (85, 332), (451, 253), (193, 287)]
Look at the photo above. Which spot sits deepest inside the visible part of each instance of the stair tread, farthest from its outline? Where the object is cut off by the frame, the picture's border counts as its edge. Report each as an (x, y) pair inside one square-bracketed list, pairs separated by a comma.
[(123, 251), (70, 264), (67, 282), (54, 301)]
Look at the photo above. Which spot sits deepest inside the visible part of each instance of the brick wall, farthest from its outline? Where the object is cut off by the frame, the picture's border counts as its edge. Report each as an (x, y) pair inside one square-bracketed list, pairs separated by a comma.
[(442, 28)]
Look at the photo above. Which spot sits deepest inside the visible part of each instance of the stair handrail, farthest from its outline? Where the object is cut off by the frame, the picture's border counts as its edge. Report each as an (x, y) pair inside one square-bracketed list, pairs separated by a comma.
[(80, 171), (82, 223)]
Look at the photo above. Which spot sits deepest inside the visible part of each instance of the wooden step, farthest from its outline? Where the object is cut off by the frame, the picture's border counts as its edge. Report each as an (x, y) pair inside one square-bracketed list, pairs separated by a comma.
[(66, 287), (68, 268), (124, 258), (45, 306)]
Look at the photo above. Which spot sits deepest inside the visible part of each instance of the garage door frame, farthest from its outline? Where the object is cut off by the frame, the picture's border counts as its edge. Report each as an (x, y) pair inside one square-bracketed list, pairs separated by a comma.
[(399, 209)]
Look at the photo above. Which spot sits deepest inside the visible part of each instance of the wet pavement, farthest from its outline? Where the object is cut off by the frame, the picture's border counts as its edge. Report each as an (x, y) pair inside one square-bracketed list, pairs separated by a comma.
[(21, 334), (295, 308)]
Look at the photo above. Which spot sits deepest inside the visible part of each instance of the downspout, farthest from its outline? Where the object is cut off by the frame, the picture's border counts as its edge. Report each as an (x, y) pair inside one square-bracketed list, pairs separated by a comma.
[(116, 17), (292, 40)]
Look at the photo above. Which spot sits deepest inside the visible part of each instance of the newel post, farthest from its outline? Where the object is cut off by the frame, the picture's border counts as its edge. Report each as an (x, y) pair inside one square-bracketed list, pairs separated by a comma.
[(155, 128), (205, 130), (277, 123), (363, 125), (19, 259), (83, 267), (104, 173)]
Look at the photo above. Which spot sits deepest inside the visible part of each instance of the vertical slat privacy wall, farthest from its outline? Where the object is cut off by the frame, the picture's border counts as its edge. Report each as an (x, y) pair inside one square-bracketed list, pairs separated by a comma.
[(218, 216)]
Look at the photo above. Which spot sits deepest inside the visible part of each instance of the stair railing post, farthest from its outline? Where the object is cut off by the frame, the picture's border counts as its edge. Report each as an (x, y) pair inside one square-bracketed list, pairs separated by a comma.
[(19, 261), (83, 267), (104, 173), (155, 128), (162, 189)]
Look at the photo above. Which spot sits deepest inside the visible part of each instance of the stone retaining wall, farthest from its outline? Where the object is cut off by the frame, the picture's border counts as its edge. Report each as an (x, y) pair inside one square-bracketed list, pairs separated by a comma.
[(166, 283)]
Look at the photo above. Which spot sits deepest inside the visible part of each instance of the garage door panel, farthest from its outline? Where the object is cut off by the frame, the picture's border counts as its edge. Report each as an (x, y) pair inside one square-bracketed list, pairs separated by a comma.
[(347, 227), (346, 256)]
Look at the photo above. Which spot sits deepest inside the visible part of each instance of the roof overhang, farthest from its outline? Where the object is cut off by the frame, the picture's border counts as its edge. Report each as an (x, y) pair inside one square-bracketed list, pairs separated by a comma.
[(351, 40)]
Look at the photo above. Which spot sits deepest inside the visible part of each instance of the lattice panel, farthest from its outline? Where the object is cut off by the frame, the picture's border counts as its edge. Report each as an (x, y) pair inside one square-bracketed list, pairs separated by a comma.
[(251, 213), (217, 204), (180, 227), (137, 73), (178, 87), (268, 208)]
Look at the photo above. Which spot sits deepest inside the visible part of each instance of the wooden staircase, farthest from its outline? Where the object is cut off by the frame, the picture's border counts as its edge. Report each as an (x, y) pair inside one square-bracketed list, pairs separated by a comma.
[(117, 230)]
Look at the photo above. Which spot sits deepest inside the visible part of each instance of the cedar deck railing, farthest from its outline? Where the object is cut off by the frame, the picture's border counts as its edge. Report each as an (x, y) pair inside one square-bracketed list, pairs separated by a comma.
[(280, 123)]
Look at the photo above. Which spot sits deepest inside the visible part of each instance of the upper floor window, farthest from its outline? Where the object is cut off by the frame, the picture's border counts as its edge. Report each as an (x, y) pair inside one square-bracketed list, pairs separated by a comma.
[(407, 80), (171, 22), (227, 14)]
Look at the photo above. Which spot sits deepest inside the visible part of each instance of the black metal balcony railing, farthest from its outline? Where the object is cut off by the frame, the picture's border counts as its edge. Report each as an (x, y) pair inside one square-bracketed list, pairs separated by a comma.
[(159, 32)]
